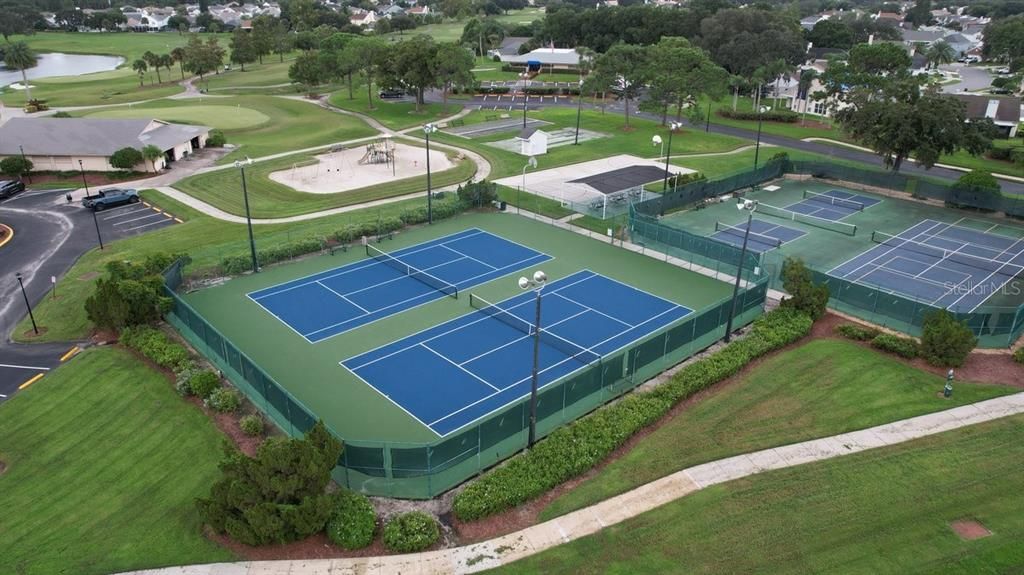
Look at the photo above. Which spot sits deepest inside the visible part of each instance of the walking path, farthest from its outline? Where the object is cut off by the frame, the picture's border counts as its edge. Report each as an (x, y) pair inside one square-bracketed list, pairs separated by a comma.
[(537, 538)]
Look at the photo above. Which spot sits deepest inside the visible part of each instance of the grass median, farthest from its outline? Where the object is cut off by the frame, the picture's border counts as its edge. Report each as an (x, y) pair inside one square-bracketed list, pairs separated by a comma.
[(397, 115), (104, 462)]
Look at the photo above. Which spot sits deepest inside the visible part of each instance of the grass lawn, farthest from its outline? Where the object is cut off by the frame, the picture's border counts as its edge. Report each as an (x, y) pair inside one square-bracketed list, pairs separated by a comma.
[(269, 199), (206, 240), (292, 124), (397, 115), (222, 117), (104, 463), (881, 511), (270, 73), (822, 388), (128, 45)]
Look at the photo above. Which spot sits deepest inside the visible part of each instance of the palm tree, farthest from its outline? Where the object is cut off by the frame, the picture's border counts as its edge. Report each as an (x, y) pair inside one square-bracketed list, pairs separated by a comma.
[(178, 55), (803, 86), (939, 53), (167, 61), (140, 67), (153, 61), (18, 56), (152, 153)]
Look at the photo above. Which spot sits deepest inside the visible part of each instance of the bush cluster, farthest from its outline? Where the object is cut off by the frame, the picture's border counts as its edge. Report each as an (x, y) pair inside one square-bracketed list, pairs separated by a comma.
[(1018, 355), (946, 342), (275, 253), (203, 383), (574, 449), (216, 139), (224, 400), (857, 332), (157, 346), (251, 425), (410, 532), (477, 194), (784, 116), (182, 377), (131, 293), (494, 90), (904, 347), (353, 521)]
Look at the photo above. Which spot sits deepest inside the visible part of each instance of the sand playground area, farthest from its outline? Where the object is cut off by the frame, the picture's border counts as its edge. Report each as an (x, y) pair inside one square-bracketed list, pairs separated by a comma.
[(362, 165)]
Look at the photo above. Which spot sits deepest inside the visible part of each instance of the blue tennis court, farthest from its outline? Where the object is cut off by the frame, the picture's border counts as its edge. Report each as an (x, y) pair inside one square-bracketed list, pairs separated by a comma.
[(763, 236), (331, 302), (832, 205), (946, 265), (455, 373)]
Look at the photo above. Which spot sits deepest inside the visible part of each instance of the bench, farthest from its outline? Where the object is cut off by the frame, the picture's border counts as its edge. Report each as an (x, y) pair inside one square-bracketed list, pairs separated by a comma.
[(491, 118), (457, 123)]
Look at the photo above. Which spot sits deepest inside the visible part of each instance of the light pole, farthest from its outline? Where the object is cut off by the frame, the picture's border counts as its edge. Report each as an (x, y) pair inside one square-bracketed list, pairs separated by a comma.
[(525, 98), (672, 127), (707, 124), (536, 284), (750, 206), (760, 117), (427, 130), (248, 217), (25, 162), (531, 163), (579, 110), (95, 220), (390, 148), (27, 305)]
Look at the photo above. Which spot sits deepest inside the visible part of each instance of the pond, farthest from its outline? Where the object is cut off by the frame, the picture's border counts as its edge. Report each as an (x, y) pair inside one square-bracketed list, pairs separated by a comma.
[(57, 64)]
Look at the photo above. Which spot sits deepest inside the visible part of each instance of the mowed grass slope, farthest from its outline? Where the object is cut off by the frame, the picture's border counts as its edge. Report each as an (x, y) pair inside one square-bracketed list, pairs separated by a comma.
[(104, 463), (822, 388), (397, 115), (881, 511)]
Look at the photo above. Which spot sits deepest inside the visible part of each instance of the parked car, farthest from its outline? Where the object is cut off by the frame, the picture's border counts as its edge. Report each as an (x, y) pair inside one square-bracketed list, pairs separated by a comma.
[(109, 198), (10, 187), (391, 93)]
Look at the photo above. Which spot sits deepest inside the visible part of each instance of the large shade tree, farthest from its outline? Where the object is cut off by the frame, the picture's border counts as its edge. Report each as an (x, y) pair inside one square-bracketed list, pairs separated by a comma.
[(624, 70), (680, 74), (453, 67)]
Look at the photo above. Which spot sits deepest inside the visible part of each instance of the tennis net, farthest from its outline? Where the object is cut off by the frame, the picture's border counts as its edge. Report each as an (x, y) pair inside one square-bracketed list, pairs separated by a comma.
[(834, 201), (415, 273), (830, 225), (740, 232), (1008, 269), (580, 354)]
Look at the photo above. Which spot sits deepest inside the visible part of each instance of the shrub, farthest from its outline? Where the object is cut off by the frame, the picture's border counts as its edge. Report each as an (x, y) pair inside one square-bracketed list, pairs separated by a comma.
[(182, 377), (1018, 355), (902, 346), (409, 532), (805, 296), (61, 114), (946, 342), (353, 521), (1017, 156), (477, 193), (131, 293), (857, 332), (157, 346), (574, 449), (999, 153), (251, 425), (16, 166), (126, 158), (784, 116), (976, 189), (216, 139), (203, 383), (223, 400)]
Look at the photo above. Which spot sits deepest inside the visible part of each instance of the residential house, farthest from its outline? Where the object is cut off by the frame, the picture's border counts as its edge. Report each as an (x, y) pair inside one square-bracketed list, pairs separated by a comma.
[(418, 11), (1004, 112), (363, 18)]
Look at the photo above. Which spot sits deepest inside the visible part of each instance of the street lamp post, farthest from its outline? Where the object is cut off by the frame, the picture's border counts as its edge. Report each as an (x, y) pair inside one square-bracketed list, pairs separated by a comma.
[(536, 283), (760, 117), (35, 329), (707, 124), (248, 217), (579, 110), (427, 130), (25, 161), (672, 127), (750, 206), (95, 220), (531, 163), (525, 99)]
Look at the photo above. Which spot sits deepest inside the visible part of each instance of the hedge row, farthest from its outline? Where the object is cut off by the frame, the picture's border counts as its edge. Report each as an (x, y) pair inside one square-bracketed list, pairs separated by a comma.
[(574, 449), (857, 332), (784, 116), (1018, 355), (240, 263), (157, 346), (902, 346)]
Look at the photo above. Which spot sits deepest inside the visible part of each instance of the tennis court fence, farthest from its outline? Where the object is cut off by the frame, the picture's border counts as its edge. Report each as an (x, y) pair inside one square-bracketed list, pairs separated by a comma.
[(423, 471), (995, 326)]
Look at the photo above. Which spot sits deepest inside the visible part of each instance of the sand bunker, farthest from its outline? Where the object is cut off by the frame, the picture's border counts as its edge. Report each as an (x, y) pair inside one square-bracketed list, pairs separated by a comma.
[(360, 166)]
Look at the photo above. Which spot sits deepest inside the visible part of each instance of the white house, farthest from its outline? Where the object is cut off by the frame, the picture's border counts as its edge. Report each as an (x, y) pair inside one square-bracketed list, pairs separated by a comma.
[(363, 18), (532, 142), (1005, 112)]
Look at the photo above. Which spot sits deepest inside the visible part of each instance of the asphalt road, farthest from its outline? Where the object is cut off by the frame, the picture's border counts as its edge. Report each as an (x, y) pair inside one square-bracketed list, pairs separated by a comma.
[(971, 78), (49, 236)]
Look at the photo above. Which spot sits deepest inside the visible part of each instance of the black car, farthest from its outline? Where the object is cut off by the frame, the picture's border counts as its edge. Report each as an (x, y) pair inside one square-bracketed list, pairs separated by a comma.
[(10, 187), (391, 94)]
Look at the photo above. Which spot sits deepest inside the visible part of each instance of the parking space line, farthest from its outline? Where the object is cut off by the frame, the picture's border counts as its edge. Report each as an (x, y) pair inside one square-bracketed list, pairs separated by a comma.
[(32, 367), (125, 213), (34, 379), (158, 222), (70, 353), (179, 220), (147, 204), (151, 215)]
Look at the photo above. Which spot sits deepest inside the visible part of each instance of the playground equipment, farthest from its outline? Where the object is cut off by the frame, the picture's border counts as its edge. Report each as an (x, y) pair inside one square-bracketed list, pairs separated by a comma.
[(380, 152)]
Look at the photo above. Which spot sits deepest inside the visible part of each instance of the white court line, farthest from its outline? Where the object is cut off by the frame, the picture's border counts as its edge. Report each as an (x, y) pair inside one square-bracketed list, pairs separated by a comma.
[(444, 357), (527, 336), (3, 396), (30, 367), (146, 225), (342, 296), (468, 257), (877, 257), (588, 308)]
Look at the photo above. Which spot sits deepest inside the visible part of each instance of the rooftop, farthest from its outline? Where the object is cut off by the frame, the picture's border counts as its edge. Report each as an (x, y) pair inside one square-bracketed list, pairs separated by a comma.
[(90, 136)]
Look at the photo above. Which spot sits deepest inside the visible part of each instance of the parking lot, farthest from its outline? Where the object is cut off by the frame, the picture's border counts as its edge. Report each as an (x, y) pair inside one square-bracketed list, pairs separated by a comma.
[(133, 219)]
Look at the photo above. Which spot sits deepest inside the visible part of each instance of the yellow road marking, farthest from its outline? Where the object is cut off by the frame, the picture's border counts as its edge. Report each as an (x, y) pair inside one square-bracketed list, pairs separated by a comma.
[(71, 352), (147, 204), (168, 216), (157, 210), (9, 236), (178, 220), (34, 379)]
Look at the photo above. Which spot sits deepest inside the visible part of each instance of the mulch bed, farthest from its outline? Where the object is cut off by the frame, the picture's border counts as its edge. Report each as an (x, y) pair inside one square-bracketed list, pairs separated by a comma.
[(969, 530), (315, 547), (92, 178)]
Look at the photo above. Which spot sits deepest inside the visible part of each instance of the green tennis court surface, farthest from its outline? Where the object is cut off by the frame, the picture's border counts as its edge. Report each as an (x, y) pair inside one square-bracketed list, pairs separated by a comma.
[(353, 409)]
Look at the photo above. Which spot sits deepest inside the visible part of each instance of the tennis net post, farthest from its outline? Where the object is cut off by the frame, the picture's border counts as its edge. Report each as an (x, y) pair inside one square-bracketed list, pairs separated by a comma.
[(387, 259), (740, 232)]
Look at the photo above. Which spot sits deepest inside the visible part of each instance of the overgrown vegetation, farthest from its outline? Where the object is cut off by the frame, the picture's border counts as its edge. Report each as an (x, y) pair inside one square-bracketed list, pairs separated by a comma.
[(946, 342), (353, 521), (411, 532), (857, 332), (130, 294), (805, 297), (574, 449), (904, 347), (158, 347)]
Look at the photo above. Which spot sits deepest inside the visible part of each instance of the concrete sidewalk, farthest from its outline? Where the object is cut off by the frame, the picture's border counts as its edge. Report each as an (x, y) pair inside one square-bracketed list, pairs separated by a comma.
[(537, 538)]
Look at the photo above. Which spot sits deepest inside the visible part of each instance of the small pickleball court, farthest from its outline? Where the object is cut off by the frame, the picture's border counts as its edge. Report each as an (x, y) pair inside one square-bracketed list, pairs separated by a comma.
[(946, 265), (833, 205), (334, 301), (455, 373), (763, 236)]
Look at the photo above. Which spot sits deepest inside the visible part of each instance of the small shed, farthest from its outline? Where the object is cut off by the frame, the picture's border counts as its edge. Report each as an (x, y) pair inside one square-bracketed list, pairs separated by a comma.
[(532, 142)]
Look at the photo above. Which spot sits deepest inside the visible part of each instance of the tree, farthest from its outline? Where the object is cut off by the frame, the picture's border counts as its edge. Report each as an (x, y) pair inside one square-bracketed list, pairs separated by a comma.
[(804, 295), (166, 61), (803, 89), (18, 18), (152, 153), (370, 54), (401, 23), (242, 48), (303, 15), (214, 53), (831, 34), (680, 74), (140, 68), (452, 68), (130, 293), (623, 68), (179, 23), (277, 496), (1004, 42), (946, 342), (412, 64), (18, 56), (178, 55), (282, 39), (308, 70), (920, 14), (126, 158), (482, 34), (153, 61), (16, 166), (263, 35), (939, 53), (206, 21)]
